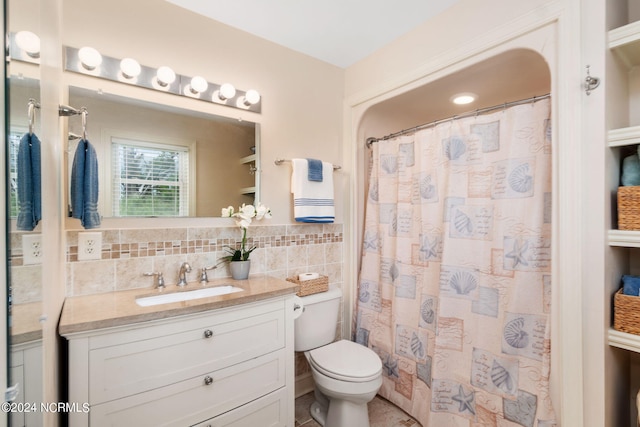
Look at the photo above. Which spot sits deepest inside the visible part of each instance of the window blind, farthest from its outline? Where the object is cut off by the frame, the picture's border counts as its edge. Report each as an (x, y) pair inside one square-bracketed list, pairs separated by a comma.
[(149, 179)]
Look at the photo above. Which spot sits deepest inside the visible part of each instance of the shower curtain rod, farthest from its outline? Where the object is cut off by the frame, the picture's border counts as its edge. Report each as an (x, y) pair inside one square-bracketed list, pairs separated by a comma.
[(371, 140)]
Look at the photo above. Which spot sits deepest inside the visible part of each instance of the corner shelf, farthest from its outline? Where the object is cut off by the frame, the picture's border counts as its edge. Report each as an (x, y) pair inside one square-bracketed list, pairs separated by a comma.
[(623, 136), (248, 190), (624, 340), (624, 238), (626, 42), (248, 159)]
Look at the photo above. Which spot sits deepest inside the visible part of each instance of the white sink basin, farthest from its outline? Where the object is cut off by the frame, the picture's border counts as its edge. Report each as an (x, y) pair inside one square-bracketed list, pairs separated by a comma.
[(187, 295)]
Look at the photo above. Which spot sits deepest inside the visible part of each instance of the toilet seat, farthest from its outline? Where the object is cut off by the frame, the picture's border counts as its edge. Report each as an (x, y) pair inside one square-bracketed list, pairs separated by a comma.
[(346, 361)]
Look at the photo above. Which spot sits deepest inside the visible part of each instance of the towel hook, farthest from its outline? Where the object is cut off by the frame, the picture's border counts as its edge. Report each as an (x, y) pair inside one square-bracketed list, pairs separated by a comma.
[(590, 83), (84, 113), (32, 105)]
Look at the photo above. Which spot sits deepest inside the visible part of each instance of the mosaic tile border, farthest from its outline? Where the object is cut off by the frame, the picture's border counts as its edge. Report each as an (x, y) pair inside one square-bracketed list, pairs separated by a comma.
[(178, 247)]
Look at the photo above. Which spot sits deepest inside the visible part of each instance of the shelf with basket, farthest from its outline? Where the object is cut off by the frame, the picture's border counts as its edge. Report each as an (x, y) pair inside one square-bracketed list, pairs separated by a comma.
[(626, 236), (622, 258)]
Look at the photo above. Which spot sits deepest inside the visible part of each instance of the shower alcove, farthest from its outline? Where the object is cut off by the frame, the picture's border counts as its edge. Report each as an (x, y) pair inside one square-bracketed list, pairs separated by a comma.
[(497, 80)]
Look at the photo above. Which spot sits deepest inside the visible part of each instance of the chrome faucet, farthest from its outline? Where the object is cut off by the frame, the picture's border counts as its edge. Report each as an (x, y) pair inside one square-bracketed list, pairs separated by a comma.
[(182, 274), (203, 274), (158, 280)]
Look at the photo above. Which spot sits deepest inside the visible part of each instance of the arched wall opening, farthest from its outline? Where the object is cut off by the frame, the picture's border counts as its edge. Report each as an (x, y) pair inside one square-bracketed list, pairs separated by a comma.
[(520, 68)]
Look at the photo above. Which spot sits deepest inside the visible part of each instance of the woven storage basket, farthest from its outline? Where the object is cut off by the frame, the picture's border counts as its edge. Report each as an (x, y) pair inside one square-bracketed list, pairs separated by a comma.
[(626, 313), (629, 208), (313, 286)]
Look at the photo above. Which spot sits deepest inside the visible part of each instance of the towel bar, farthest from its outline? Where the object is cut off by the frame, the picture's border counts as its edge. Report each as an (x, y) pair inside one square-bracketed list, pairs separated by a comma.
[(281, 161)]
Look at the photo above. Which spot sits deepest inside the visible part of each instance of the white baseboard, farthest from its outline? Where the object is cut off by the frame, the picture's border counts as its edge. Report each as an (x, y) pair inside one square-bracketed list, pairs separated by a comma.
[(304, 384)]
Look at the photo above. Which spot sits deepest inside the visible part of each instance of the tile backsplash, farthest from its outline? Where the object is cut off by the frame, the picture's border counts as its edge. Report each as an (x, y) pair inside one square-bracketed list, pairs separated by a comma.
[(281, 251), (126, 254)]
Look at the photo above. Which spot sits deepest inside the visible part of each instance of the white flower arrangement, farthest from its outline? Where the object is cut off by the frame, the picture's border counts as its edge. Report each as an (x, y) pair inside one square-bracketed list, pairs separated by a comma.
[(244, 216)]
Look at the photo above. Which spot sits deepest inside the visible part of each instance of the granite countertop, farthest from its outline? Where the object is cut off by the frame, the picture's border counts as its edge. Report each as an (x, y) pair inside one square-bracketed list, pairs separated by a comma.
[(25, 322), (99, 311)]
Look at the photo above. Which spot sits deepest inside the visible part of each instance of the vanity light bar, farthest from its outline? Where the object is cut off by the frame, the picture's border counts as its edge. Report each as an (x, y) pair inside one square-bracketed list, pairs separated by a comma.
[(20, 53), (148, 77)]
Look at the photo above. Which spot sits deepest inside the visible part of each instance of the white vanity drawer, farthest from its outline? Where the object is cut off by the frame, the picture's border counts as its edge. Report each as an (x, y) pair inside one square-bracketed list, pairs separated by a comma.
[(191, 401), (185, 349), (268, 411)]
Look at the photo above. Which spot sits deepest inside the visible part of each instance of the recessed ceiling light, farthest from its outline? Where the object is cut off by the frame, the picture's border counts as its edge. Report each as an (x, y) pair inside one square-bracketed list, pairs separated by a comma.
[(464, 98)]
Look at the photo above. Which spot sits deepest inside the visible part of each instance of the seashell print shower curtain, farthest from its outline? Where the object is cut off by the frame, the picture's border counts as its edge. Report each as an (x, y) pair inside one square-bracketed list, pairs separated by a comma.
[(454, 291)]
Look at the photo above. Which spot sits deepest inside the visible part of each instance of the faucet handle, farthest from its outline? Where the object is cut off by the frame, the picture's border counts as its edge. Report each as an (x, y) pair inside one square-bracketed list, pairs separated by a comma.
[(158, 279), (203, 273)]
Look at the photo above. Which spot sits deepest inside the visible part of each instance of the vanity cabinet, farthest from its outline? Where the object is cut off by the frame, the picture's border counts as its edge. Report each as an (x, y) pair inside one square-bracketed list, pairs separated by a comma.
[(225, 367), (26, 372)]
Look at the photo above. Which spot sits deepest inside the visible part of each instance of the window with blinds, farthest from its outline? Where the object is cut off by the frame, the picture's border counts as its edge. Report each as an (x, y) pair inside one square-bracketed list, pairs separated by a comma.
[(149, 179), (14, 143)]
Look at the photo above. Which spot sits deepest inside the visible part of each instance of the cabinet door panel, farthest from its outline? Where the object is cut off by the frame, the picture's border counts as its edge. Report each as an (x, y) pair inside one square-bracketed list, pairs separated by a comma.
[(191, 401), (136, 367), (268, 411)]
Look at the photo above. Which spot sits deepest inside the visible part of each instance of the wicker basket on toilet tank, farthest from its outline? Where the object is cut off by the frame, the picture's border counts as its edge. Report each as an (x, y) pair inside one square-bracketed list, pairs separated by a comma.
[(311, 286)]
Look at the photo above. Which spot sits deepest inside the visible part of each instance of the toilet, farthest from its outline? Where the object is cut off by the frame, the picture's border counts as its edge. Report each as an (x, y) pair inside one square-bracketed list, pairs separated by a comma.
[(347, 375)]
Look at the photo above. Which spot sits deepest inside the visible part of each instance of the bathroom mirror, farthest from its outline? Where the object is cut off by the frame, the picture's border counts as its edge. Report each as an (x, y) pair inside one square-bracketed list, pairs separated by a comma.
[(161, 161), (25, 255)]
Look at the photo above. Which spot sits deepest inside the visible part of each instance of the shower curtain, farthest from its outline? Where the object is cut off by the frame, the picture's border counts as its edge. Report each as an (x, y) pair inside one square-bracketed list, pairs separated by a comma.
[(454, 290)]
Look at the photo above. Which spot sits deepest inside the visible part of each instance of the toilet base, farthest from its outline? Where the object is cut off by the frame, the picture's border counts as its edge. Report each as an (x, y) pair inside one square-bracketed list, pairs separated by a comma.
[(318, 414), (338, 413)]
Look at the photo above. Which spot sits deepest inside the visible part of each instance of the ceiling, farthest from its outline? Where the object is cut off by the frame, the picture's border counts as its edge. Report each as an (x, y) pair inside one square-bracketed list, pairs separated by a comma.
[(511, 76), (340, 32)]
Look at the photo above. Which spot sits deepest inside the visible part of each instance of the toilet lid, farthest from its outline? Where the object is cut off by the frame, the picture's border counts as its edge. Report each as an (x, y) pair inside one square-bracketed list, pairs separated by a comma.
[(347, 361)]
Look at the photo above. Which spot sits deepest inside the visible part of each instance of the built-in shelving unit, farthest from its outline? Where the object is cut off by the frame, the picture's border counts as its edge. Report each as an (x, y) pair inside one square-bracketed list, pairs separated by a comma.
[(247, 161), (624, 238), (622, 361), (626, 42), (624, 136), (624, 340)]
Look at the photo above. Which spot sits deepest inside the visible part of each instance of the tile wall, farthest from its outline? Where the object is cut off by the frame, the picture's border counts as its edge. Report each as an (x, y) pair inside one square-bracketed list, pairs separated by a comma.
[(282, 251)]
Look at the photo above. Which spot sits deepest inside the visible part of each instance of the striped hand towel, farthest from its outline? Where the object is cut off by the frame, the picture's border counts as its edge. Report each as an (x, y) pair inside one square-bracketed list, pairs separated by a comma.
[(312, 200)]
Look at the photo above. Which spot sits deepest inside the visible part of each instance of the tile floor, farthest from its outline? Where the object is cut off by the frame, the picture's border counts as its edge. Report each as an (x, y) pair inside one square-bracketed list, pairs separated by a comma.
[(382, 413)]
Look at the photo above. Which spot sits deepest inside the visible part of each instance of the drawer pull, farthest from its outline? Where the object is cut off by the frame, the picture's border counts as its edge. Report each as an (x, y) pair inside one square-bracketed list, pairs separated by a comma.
[(208, 333), (208, 380)]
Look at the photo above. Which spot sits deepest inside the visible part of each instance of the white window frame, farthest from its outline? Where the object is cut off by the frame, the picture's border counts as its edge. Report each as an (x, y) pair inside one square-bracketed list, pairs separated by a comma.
[(109, 136)]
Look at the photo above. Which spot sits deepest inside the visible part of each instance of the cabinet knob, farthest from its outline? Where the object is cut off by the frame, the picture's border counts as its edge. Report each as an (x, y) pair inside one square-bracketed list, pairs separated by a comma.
[(208, 380), (208, 333)]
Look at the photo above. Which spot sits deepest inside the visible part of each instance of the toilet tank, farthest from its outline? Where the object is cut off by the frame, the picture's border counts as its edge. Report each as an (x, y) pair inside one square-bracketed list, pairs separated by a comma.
[(317, 324)]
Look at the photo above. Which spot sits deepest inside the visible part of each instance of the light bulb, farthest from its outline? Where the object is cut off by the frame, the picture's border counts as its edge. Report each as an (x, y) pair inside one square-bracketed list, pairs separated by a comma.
[(198, 84), (227, 91), (89, 57), (464, 98), (165, 75), (251, 97), (29, 42), (130, 68)]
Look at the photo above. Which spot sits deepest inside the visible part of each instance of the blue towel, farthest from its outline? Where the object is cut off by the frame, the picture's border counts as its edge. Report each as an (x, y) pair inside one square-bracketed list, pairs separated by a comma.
[(631, 285), (631, 170), (29, 183), (84, 185), (315, 170)]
